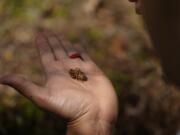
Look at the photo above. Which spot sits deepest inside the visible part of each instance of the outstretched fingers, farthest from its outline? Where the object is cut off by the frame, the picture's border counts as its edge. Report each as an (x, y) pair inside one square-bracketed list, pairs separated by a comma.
[(90, 65), (83, 53), (69, 48), (56, 46), (45, 52), (75, 50)]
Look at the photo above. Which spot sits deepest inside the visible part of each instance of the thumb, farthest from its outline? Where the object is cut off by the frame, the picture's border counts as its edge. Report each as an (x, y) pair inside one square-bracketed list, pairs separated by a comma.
[(23, 86)]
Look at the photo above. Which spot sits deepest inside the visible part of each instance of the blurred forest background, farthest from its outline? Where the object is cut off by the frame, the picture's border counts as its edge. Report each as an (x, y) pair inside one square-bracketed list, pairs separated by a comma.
[(114, 37)]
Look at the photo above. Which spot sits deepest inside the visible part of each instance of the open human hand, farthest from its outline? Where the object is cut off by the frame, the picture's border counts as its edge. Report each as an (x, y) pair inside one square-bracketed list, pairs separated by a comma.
[(89, 106)]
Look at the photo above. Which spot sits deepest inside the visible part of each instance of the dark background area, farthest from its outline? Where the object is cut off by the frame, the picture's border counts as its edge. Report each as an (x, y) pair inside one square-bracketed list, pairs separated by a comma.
[(114, 37)]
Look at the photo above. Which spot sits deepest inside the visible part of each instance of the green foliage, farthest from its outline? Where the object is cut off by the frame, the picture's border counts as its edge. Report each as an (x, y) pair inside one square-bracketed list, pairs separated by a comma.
[(27, 119), (62, 11), (119, 80), (14, 6), (95, 34)]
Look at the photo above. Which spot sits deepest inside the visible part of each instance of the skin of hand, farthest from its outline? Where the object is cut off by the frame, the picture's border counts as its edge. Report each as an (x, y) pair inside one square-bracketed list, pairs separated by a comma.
[(91, 107)]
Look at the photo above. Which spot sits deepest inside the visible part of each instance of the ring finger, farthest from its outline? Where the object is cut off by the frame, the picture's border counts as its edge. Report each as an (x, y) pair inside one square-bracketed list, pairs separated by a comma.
[(70, 50)]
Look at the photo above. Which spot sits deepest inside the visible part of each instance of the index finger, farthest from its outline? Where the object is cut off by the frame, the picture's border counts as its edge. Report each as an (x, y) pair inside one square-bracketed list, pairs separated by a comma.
[(44, 50)]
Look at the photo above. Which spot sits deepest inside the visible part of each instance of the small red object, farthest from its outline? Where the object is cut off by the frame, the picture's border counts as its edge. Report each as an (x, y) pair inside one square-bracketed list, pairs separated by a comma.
[(75, 56)]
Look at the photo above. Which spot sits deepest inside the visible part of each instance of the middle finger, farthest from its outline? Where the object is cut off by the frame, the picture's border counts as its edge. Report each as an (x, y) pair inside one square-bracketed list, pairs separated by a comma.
[(56, 46), (69, 48)]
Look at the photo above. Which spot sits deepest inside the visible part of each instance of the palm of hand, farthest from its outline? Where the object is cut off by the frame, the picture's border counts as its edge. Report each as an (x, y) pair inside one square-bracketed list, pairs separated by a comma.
[(73, 99), (69, 98)]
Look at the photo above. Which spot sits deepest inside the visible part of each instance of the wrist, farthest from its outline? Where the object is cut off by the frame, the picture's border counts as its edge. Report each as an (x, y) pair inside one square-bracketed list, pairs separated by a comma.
[(91, 127)]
